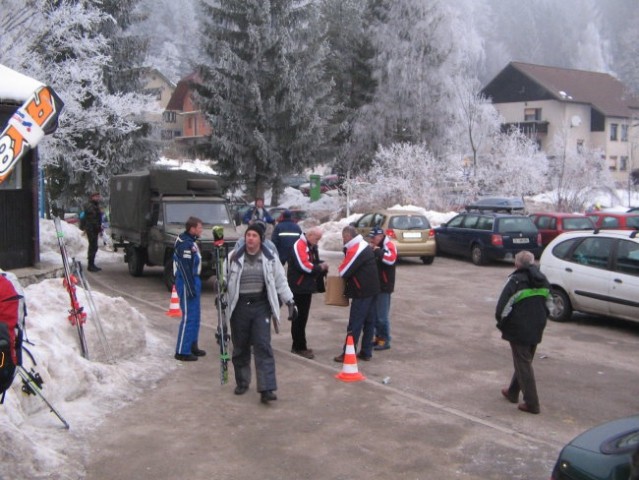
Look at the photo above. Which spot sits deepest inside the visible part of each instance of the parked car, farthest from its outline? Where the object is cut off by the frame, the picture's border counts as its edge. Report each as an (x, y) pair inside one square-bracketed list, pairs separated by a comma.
[(409, 230), (551, 224), (593, 272), (615, 220), (485, 236), (327, 183), (601, 453), (294, 181)]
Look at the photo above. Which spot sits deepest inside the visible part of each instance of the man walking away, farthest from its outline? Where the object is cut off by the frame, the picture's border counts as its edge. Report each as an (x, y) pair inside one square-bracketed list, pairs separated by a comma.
[(521, 316), (285, 235)]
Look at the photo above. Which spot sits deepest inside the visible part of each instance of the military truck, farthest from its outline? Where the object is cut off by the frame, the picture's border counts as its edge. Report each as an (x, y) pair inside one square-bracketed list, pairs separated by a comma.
[(148, 210)]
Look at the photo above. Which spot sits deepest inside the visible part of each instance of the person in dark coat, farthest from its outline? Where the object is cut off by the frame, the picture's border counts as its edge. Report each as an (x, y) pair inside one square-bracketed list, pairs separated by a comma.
[(305, 269), (359, 270), (521, 315), (91, 223), (285, 235)]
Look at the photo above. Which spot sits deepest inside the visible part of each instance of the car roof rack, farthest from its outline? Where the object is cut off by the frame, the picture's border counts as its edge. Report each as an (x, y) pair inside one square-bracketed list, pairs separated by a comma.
[(513, 205)]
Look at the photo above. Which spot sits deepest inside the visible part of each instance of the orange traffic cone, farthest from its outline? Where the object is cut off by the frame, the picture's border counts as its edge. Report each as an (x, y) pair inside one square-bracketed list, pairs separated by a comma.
[(174, 307), (349, 371)]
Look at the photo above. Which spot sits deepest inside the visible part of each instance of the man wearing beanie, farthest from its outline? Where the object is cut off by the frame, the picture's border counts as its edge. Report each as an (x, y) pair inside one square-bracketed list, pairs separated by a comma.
[(256, 284)]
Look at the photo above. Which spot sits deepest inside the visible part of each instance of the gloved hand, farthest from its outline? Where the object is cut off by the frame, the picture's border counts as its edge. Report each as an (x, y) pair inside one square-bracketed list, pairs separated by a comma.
[(292, 311)]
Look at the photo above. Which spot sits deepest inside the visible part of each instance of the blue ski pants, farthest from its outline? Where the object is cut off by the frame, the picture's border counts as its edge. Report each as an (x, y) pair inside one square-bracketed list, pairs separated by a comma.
[(189, 329)]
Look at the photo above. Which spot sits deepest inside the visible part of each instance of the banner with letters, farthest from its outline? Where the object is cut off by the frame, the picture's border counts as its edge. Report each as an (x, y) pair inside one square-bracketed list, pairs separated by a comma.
[(37, 117)]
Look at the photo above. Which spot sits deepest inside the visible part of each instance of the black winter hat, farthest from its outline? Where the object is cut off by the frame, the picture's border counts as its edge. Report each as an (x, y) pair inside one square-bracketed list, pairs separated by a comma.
[(258, 228)]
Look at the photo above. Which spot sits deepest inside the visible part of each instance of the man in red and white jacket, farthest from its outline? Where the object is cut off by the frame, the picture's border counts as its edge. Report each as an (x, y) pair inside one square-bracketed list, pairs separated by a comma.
[(304, 270), (359, 270), (386, 257)]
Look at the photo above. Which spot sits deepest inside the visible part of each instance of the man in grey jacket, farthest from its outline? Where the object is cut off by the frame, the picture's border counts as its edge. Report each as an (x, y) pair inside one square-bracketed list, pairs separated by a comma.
[(256, 284)]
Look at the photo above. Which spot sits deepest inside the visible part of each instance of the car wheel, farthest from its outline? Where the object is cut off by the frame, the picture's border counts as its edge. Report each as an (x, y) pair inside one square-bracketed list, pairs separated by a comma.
[(561, 310), (477, 255), (136, 260), (168, 276), (427, 260)]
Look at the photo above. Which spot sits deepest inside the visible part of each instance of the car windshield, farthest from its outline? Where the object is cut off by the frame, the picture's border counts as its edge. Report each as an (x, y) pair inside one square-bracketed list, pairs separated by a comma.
[(409, 222), (633, 221), (516, 224), (577, 224), (209, 213)]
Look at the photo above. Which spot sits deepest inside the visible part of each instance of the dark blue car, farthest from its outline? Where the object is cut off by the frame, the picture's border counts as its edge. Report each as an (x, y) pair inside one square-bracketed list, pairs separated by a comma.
[(487, 236)]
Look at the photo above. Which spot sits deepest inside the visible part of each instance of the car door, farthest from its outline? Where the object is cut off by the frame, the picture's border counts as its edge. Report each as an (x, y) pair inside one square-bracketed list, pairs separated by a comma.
[(587, 277), (447, 233), (547, 226), (624, 288)]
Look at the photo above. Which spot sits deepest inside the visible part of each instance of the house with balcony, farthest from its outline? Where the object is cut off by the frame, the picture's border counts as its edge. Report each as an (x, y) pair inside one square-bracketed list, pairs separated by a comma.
[(589, 109), (160, 88), (191, 129)]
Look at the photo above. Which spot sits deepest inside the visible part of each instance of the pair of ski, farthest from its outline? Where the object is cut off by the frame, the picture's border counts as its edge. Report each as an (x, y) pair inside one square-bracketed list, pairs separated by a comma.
[(222, 333), (73, 275)]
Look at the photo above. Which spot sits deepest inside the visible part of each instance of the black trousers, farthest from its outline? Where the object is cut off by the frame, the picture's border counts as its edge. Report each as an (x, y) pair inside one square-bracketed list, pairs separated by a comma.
[(298, 327), (251, 327), (524, 377), (92, 236)]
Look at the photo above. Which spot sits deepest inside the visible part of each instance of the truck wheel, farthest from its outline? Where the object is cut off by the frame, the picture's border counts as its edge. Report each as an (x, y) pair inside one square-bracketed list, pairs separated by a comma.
[(168, 276), (136, 261)]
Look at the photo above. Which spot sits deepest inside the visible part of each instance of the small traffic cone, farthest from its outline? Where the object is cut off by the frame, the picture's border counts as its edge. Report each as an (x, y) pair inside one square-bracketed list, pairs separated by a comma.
[(174, 307), (349, 371)]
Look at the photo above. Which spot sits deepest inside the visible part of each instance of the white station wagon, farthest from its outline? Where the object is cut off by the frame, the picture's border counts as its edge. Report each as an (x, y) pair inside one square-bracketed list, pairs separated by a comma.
[(593, 272)]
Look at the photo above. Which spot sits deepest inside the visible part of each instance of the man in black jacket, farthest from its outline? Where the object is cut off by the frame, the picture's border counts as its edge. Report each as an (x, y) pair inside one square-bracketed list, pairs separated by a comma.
[(521, 316), (91, 223), (305, 269), (359, 270)]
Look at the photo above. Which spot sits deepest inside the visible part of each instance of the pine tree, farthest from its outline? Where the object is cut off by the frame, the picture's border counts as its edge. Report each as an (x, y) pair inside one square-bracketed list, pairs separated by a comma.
[(264, 90)]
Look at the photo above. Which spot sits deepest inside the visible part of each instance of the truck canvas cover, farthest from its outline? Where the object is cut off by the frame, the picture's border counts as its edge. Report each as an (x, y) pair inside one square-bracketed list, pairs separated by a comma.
[(131, 194)]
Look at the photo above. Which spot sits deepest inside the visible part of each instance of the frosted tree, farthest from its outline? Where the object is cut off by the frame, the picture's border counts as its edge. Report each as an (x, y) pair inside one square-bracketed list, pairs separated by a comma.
[(264, 89), (404, 173), (65, 49), (348, 67), (627, 59), (510, 165), (576, 175), (173, 34)]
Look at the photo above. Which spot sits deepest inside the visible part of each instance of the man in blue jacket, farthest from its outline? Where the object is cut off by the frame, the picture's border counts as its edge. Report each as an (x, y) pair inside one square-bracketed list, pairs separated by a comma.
[(285, 235), (187, 265)]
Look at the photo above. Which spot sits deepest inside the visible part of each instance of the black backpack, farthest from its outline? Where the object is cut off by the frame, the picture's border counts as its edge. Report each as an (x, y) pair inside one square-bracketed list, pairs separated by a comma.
[(12, 313)]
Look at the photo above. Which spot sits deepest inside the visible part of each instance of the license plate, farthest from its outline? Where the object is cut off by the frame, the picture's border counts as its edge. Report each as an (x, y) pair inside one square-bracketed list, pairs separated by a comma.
[(412, 234), (521, 240)]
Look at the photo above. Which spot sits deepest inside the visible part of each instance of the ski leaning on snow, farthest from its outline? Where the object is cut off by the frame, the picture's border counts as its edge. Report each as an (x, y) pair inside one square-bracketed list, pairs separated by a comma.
[(77, 315), (221, 335), (78, 271), (32, 385)]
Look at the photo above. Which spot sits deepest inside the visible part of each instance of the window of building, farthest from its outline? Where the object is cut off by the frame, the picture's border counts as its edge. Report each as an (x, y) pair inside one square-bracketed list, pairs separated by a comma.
[(623, 163), (169, 116), (613, 131), (612, 164), (624, 133), (532, 114)]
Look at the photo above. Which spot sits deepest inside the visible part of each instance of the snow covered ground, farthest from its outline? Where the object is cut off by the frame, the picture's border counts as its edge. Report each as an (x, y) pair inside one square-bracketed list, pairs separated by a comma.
[(35, 443)]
